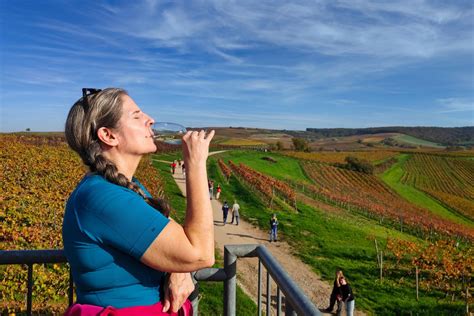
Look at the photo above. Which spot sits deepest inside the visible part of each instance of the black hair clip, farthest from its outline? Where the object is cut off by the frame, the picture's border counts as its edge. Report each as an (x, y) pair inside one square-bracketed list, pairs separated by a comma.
[(85, 93)]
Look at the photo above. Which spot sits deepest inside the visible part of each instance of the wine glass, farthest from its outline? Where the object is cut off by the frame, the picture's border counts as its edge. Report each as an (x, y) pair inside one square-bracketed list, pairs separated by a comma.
[(168, 132)]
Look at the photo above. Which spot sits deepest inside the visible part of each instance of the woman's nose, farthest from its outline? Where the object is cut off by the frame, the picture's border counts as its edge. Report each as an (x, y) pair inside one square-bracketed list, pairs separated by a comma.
[(150, 120)]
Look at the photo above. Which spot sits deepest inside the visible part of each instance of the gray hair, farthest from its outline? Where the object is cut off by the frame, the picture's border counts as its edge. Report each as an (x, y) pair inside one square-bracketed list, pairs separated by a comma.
[(102, 109)]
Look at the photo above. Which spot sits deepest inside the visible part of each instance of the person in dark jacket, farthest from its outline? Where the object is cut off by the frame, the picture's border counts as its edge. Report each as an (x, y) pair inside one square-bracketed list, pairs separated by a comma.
[(335, 293), (225, 211), (347, 297), (273, 228)]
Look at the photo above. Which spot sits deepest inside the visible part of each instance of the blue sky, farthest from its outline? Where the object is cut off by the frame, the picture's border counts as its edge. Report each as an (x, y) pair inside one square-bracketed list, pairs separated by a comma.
[(269, 64)]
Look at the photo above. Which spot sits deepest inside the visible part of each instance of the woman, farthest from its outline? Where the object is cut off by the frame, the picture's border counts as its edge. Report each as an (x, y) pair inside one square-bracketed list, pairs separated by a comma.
[(335, 294), (218, 192), (117, 243), (273, 228), (347, 297)]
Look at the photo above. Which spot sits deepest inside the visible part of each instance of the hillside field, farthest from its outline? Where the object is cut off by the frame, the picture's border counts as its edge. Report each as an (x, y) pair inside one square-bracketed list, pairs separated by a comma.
[(340, 214), (38, 172), (416, 210)]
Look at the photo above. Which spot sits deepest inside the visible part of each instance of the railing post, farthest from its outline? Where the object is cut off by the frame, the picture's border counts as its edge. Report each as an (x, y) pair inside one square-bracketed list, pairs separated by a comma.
[(269, 297), (278, 301), (259, 287), (230, 283), (29, 295)]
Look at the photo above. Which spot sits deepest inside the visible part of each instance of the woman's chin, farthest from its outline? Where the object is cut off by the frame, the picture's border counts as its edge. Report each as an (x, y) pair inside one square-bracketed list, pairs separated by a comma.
[(153, 148)]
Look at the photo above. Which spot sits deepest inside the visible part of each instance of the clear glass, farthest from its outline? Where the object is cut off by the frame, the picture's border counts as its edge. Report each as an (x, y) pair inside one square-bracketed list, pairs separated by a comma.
[(170, 133)]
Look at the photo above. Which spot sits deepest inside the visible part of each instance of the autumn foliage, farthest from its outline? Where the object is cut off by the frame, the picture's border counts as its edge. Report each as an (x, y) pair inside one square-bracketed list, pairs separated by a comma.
[(443, 265), (449, 180), (37, 176), (367, 193), (266, 185)]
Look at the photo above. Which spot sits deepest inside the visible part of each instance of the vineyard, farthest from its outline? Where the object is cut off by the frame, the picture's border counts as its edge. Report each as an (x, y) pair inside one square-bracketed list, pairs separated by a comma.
[(225, 169), (448, 180), (265, 185), (366, 193), (420, 257), (440, 265), (38, 174), (339, 157)]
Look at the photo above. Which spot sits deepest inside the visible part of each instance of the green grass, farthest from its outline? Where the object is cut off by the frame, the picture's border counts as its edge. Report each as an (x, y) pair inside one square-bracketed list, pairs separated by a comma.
[(416, 141), (212, 293), (328, 241), (392, 177), (284, 168)]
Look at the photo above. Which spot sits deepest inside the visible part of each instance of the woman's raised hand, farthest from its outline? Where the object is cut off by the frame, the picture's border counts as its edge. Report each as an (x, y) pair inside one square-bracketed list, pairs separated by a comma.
[(196, 147)]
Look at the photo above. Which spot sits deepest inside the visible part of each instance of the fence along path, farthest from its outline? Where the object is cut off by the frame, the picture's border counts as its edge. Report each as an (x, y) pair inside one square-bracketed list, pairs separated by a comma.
[(317, 290)]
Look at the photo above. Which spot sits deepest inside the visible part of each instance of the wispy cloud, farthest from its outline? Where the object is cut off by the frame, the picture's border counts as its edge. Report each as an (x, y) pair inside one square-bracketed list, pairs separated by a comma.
[(312, 62), (456, 105), (332, 28)]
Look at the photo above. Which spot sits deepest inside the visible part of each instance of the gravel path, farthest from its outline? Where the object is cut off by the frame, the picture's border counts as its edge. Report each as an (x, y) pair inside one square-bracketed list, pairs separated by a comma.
[(317, 290)]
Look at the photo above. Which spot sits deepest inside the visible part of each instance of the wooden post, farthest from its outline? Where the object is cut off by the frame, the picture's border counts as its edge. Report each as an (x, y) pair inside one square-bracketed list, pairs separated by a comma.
[(467, 298), (416, 274), (381, 265), (377, 252)]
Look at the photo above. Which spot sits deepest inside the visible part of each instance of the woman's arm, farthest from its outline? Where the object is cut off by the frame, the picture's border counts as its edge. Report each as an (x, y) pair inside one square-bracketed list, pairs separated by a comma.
[(188, 248)]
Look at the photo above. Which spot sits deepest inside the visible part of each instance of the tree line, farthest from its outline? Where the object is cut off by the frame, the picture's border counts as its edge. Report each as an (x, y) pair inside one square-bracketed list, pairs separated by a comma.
[(450, 136)]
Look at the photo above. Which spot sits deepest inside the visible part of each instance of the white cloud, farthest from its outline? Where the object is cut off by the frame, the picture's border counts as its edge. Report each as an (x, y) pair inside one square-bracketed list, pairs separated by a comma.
[(456, 105)]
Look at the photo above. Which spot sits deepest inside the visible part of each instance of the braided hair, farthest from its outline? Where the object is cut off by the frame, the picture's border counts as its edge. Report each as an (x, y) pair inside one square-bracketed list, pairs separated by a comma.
[(87, 115)]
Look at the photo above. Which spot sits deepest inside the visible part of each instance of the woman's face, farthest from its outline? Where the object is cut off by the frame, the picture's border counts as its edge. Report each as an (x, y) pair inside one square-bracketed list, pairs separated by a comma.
[(134, 130)]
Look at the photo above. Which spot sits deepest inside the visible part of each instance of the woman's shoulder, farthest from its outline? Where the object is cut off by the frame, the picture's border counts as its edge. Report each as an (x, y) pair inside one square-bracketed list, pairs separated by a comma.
[(94, 187)]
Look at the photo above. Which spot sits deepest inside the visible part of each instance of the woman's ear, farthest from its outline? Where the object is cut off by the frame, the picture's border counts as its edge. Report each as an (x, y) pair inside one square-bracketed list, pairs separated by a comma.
[(107, 136)]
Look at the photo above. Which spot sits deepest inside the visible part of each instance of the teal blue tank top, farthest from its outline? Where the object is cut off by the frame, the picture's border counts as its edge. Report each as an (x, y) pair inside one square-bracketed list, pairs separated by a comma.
[(106, 230)]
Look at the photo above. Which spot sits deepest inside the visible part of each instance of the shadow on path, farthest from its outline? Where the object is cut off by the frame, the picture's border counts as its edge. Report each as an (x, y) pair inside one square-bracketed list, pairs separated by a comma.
[(246, 236)]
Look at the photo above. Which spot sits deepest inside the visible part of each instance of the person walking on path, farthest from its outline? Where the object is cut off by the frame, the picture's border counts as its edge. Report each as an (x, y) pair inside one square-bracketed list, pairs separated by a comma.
[(183, 170), (225, 211), (173, 167), (347, 297), (211, 188), (335, 294), (235, 213), (218, 191), (273, 228)]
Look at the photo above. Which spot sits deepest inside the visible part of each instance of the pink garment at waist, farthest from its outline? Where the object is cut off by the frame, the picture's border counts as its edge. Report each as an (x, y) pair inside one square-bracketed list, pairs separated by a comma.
[(150, 310)]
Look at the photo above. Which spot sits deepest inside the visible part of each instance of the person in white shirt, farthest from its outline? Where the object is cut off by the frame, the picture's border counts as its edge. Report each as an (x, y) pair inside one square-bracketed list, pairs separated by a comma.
[(235, 213)]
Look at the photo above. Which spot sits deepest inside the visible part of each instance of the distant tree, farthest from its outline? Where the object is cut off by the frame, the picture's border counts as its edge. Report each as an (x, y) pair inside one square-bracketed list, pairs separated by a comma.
[(279, 145), (389, 141), (300, 144), (360, 165), (28, 129)]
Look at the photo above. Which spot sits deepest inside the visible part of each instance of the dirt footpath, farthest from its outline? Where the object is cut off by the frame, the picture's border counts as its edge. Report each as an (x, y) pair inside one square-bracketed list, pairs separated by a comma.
[(318, 291)]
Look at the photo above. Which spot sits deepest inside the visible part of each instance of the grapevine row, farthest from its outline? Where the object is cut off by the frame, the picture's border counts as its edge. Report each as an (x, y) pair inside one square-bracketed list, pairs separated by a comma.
[(265, 184), (371, 195)]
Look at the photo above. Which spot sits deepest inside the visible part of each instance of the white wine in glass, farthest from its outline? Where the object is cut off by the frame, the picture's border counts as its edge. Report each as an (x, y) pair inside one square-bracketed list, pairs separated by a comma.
[(167, 132)]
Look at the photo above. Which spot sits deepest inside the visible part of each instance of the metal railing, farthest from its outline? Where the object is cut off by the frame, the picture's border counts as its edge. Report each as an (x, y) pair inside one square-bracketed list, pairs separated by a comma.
[(296, 302), (31, 257)]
